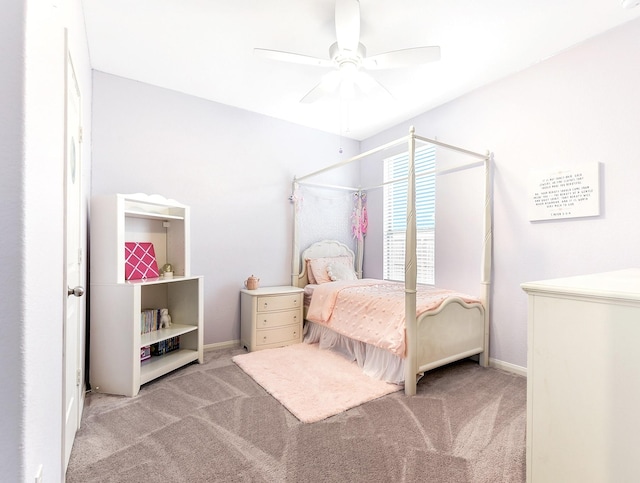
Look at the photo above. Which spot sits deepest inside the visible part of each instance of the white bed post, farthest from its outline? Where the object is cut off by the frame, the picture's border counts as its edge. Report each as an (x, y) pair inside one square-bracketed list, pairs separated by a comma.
[(410, 275), (487, 257), (295, 260), (359, 240)]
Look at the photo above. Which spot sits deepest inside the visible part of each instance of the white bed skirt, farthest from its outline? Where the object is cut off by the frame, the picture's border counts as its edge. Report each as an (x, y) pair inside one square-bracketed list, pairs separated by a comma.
[(374, 362)]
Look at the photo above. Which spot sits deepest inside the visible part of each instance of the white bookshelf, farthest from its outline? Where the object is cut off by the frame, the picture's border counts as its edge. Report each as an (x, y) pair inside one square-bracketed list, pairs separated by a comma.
[(117, 304)]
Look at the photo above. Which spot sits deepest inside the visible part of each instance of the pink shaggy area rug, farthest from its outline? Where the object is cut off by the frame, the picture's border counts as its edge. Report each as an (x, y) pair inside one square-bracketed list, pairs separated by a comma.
[(312, 384)]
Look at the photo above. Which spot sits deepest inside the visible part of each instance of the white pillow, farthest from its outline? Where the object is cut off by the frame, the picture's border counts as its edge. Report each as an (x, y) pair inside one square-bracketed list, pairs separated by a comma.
[(338, 271), (319, 267)]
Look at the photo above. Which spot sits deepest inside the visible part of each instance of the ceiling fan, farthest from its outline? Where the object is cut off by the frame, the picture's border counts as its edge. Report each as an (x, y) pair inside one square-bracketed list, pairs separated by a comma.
[(347, 57)]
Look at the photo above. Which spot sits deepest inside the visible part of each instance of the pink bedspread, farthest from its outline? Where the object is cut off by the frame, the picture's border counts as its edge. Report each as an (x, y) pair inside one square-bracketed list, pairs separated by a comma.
[(372, 311)]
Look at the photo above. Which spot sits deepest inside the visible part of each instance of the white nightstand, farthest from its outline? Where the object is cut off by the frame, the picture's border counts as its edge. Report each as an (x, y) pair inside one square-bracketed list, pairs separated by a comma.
[(270, 317)]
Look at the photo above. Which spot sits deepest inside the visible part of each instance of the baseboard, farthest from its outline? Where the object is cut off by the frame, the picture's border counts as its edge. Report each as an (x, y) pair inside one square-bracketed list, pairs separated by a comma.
[(508, 367), (497, 364), (222, 345)]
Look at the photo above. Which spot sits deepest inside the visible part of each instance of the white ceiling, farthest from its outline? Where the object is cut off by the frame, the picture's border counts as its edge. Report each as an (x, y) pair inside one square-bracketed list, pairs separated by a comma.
[(205, 48)]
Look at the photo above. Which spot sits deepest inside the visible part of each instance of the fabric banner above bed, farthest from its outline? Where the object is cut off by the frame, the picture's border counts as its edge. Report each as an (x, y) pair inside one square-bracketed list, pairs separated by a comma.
[(373, 311)]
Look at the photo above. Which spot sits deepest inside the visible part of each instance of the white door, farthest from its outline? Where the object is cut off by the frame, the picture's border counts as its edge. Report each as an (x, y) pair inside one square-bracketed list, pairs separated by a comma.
[(75, 302)]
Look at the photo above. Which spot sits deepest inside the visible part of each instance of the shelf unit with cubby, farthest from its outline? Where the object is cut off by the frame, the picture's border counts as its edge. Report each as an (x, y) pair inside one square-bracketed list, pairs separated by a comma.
[(116, 304)]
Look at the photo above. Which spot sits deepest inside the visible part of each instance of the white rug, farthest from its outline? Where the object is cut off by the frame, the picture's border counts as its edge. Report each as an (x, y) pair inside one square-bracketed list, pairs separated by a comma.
[(312, 384)]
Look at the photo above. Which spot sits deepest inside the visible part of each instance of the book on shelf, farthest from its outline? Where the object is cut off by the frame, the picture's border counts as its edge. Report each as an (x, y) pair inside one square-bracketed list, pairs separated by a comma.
[(165, 346), (145, 353), (154, 319), (149, 320)]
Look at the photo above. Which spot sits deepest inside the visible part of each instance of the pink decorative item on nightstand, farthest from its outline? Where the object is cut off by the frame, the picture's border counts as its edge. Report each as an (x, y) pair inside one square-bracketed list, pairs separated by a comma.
[(140, 261), (252, 283)]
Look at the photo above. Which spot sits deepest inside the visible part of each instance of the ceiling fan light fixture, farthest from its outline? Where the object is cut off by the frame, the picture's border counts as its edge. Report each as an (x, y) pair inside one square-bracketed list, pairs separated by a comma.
[(349, 69), (347, 89), (331, 81)]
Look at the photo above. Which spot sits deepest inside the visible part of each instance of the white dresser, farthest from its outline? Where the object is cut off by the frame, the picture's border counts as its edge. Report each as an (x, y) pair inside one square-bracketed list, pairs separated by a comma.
[(270, 317), (583, 384)]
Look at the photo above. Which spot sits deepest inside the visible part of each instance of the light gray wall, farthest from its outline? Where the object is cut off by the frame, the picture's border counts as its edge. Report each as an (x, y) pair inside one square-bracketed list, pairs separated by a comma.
[(232, 167), (578, 107), (12, 28), (32, 193)]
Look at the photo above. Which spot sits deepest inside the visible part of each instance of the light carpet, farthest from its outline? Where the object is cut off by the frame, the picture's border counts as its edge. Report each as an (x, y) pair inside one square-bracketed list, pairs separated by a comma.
[(312, 384), (212, 422)]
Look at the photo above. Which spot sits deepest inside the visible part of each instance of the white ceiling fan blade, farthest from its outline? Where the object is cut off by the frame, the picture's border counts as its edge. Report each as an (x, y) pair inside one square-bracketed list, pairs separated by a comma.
[(328, 85), (402, 58), (368, 85), (313, 95), (291, 57), (348, 24)]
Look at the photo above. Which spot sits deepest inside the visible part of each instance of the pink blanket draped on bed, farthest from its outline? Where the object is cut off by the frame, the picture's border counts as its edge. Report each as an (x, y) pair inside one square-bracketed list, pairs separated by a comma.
[(372, 311)]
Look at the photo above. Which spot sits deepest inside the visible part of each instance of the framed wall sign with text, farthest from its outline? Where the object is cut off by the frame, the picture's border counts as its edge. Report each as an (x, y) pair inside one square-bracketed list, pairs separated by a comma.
[(564, 193)]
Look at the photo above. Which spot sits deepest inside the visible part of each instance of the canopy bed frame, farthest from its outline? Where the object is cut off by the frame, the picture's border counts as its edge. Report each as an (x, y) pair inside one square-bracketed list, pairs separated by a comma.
[(456, 329)]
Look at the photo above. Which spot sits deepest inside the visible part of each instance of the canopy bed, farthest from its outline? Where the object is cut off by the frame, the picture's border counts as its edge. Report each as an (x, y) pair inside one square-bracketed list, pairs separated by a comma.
[(395, 331)]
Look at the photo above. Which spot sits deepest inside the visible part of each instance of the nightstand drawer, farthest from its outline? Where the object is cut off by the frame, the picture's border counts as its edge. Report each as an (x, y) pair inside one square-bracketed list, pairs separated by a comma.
[(277, 336), (269, 320), (279, 302)]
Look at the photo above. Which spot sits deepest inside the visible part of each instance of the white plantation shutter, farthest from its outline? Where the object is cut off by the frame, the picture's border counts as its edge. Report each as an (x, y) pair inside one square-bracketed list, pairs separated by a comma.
[(395, 215)]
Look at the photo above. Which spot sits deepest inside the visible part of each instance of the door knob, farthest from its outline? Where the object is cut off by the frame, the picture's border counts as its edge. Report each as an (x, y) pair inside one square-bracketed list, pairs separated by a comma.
[(78, 291)]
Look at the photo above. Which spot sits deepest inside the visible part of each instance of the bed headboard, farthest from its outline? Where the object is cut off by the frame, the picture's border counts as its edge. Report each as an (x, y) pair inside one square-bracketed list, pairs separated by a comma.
[(324, 248)]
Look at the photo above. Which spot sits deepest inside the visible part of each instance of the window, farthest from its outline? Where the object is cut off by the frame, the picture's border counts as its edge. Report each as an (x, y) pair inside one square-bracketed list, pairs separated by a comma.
[(395, 215)]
